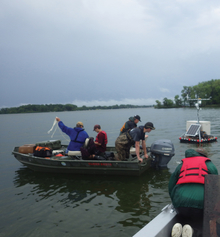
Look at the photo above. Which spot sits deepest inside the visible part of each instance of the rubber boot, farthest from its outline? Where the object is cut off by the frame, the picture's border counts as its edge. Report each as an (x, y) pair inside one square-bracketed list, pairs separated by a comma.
[(176, 230), (187, 231)]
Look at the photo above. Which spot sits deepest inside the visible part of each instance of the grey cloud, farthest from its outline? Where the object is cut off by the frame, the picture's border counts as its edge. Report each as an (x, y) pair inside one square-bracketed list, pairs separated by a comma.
[(105, 50)]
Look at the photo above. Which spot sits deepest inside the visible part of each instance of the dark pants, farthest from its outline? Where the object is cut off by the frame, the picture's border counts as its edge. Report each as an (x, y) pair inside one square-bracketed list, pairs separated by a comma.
[(190, 212), (122, 145)]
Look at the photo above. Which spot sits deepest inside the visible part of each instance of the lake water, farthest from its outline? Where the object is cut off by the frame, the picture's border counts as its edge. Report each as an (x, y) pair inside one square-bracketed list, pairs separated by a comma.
[(36, 204)]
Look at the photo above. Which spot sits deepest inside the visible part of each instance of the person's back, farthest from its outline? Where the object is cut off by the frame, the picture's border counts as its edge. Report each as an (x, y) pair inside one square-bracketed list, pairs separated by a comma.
[(187, 191), (130, 124), (77, 135), (137, 133)]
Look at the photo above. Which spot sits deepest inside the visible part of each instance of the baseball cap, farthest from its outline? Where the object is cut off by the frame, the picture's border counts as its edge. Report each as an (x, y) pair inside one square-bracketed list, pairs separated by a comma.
[(137, 117), (79, 124), (149, 125)]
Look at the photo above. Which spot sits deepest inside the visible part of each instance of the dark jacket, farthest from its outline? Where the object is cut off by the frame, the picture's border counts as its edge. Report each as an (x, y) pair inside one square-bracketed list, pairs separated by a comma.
[(128, 125)]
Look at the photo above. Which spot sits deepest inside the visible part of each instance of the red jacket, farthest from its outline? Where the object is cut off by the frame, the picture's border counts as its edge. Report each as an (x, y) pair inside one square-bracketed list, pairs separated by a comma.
[(193, 170), (103, 140)]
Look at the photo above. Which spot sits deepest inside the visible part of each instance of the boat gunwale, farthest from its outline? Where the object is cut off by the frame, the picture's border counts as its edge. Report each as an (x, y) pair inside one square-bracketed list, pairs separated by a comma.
[(76, 160)]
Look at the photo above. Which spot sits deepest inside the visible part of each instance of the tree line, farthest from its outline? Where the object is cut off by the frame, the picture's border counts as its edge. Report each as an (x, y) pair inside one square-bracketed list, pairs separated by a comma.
[(204, 90), (33, 108), (208, 89)]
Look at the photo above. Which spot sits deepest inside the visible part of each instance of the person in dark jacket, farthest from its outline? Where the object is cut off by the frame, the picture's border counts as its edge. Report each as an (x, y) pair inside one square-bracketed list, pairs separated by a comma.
[(132, 137), (77, 135), (186, 187), (131, 123)]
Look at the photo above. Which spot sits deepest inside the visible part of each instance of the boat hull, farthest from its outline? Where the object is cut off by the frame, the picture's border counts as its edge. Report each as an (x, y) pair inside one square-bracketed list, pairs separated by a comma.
[(71, 165)]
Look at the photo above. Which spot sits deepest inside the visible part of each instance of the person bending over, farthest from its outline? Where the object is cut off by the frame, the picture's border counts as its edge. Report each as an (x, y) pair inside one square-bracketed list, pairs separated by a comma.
[(124, 142)]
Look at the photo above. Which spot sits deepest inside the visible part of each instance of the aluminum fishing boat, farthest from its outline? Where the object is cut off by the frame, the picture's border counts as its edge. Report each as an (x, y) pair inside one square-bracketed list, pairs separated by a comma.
[(160, 154)]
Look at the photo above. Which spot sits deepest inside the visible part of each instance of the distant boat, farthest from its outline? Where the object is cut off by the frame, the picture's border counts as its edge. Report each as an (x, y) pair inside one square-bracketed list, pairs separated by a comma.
[(197, 131)]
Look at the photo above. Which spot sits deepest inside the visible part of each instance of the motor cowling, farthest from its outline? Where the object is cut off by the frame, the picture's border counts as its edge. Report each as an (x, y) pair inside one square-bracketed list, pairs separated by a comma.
[(161, 152)]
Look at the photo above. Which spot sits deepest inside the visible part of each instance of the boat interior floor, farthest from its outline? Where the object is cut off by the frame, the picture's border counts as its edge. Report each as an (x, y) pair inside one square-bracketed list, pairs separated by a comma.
[(110, 156)]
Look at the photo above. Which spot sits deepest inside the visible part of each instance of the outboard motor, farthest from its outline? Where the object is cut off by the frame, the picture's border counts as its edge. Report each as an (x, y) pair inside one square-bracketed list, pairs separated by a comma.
[(161, 151)]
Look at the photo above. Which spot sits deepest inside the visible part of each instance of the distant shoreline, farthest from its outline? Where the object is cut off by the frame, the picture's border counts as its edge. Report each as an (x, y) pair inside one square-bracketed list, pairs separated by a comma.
[(176, 107), (33, 108)]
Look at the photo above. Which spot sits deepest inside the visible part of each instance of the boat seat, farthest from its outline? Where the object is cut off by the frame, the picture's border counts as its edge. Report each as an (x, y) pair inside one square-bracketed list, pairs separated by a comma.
[(132, 151), (74, 153), (86, 142), (78, 153)]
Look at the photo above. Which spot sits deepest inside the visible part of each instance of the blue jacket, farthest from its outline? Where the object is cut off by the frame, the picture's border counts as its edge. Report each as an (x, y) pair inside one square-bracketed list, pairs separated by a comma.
[(77, 136)]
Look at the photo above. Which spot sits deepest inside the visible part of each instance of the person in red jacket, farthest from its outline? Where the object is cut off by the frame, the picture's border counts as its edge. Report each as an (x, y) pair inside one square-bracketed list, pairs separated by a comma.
[(186, 188), (101, 140)]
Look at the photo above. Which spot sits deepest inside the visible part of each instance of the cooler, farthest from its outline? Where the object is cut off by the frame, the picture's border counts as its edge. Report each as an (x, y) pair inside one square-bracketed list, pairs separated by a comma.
[(27, 148)]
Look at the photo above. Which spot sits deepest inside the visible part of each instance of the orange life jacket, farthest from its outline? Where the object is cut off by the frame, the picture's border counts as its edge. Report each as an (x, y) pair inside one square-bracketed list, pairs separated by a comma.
[(42, 151), (123, 127), (193, 170), (40, 148)]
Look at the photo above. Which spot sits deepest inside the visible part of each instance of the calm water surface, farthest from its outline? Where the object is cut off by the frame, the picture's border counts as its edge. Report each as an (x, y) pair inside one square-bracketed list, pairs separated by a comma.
[(36, 204)]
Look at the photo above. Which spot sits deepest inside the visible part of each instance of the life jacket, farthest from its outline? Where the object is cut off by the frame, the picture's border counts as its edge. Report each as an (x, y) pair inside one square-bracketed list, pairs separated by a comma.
[(123, 127), (42, 151), (193, 170), (75, 140), (130, 124)]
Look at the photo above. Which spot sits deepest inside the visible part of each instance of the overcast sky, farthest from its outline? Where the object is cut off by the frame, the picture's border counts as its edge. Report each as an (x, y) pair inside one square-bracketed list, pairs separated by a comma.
[(104, 52)]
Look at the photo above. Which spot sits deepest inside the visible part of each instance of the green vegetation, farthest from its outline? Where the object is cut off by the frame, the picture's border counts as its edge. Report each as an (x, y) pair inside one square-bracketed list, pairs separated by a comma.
[(204, 90), (208, 89), (59, 107)]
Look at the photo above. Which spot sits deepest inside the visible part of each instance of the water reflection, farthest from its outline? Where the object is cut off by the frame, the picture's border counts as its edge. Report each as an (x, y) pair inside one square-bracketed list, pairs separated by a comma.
[(136, 198), (62, 205), (77, 195)]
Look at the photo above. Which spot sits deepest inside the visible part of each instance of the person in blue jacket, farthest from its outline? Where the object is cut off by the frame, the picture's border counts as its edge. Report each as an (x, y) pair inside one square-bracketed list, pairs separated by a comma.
[(77, 135)]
